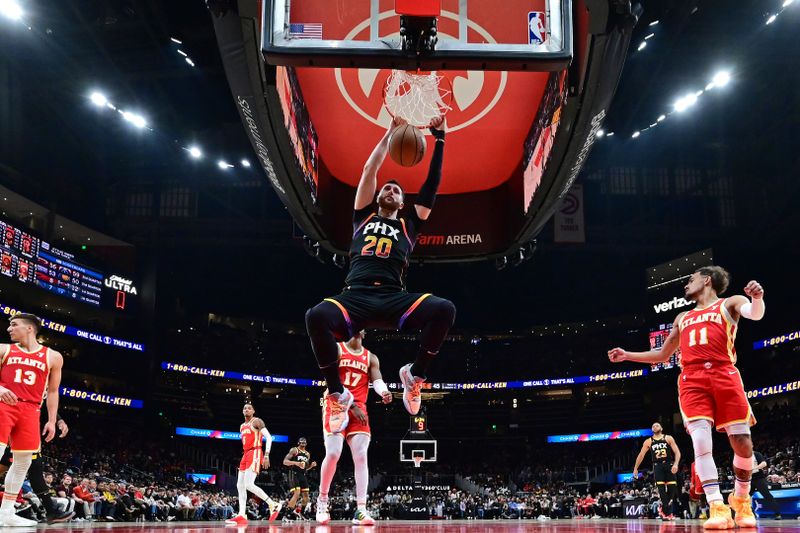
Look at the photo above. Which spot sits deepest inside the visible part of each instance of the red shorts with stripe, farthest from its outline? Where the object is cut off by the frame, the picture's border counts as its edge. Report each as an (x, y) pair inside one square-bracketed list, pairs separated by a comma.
[(19, 426), (251, 460), (716, 393), (354, 426)]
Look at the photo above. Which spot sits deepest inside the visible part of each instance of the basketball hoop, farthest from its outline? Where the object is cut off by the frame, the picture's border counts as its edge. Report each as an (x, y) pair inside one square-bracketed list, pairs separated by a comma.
[(418, 460), (417, 97)]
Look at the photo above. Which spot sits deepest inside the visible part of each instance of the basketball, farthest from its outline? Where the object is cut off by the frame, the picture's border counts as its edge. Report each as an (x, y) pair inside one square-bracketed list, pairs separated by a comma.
[(407, 145)]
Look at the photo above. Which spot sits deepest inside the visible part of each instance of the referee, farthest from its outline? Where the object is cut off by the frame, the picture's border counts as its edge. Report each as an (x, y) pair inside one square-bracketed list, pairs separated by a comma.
[(759, 483)]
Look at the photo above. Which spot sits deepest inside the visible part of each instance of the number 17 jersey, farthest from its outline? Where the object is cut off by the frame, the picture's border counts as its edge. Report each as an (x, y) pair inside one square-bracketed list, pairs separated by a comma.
[(354, 372)]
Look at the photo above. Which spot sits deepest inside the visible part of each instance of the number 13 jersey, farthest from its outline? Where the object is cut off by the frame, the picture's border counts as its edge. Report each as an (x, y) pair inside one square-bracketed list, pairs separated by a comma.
[(25, 374)]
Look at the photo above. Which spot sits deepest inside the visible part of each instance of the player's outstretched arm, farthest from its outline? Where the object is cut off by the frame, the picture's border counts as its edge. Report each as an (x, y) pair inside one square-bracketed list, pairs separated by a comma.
[(640, 457), (427, 193), (375, 377), (671, 344), (740, 306), (365, 193)]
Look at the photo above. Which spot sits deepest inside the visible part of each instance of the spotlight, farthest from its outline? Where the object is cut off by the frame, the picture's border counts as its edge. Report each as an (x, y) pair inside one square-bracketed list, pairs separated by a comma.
[(642, 45), (635, 134), (653, 23), (224, 165), (684, 103), (610, 134), (649, 36), (721, 79), (771, 19), (174, 40), (181, 52), (195, 152), (660, 118), (245, 163), (137, 120), (787, 3), (600, 133), (191, 63), (97, 98), (11, 9)]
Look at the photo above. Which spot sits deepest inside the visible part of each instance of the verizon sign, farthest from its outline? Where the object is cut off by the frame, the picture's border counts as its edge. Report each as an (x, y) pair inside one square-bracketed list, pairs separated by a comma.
[(675, 303)]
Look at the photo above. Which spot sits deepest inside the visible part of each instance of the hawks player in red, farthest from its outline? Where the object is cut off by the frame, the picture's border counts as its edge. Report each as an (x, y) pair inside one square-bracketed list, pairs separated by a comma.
[(710, 388), (357, 368), (28, 371), (252, 431)]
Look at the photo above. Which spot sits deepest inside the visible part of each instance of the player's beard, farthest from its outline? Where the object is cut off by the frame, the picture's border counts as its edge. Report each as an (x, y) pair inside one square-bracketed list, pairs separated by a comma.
[(388, 205)]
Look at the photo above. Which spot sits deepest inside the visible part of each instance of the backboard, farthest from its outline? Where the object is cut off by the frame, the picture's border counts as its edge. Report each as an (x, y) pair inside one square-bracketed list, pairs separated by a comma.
[(531, 35), (410, 448)]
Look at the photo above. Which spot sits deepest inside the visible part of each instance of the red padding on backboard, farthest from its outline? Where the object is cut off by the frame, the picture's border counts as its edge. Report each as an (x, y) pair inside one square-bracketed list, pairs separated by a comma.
[(418, 8)]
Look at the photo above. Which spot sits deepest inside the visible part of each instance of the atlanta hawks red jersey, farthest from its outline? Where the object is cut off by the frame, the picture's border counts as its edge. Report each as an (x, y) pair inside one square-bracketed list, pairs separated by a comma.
[(354, 372), (25, 374), (708, 335), (249, 436)]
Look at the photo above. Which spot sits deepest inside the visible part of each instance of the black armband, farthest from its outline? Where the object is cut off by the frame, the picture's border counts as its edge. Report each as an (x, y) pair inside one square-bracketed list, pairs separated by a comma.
[(427, 193)]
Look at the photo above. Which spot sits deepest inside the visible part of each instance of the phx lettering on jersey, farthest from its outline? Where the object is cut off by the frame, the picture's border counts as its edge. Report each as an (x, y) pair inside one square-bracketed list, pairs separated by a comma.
[(383, 229)]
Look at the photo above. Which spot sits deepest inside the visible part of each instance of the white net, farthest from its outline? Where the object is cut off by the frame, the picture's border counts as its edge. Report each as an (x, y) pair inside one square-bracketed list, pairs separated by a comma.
[(417, 98)]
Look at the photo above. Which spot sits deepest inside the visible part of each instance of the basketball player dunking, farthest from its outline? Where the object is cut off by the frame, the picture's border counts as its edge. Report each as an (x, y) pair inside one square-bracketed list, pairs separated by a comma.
[(357, 368), (666, 456), (252, 432), (710, 388), (299, 461), (29, 371), (375, 295)]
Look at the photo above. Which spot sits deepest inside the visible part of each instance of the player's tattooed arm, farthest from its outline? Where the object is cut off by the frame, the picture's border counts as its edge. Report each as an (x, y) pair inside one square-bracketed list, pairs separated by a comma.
[(288, 460), (257, 423)]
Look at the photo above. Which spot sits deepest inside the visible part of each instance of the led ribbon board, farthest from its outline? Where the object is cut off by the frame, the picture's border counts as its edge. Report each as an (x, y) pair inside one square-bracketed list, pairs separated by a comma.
[(80, 333), (609, 435), (108, 399)]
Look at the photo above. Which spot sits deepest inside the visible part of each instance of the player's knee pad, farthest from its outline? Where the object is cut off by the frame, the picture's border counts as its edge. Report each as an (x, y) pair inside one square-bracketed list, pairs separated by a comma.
[(700, 430), (740, 428), (22, 460), (743, 463)]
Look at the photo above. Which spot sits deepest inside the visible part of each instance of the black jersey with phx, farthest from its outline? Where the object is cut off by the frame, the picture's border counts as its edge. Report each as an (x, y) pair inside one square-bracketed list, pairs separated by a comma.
[(660, 450), (380, 248)]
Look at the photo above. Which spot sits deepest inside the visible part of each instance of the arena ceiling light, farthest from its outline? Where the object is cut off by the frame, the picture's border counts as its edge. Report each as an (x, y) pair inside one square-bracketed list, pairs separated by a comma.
[(98, 99), (245, 163), (195, 152), (11, 10), (721, 79), (682, 104), (224, 165), (134, 118), (642, 45)]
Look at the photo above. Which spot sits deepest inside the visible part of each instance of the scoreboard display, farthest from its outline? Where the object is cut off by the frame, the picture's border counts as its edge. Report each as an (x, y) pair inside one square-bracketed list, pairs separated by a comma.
[(657, 338), (31, 260)]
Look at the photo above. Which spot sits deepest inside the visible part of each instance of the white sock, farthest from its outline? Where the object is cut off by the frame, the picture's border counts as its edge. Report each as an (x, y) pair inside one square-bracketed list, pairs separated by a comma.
[(333, 450), (358, 447), (14, 480), (712, 492), (742, 488)]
